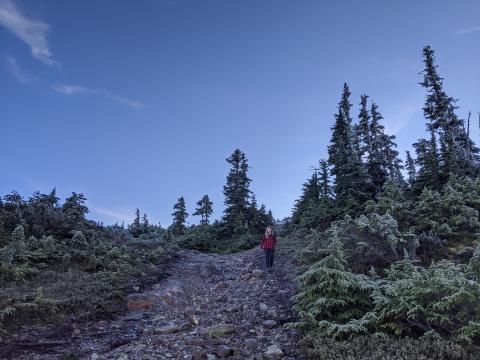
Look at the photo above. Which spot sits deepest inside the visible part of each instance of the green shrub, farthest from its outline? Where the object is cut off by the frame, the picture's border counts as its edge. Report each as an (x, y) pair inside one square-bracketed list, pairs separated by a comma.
[(381, 347)]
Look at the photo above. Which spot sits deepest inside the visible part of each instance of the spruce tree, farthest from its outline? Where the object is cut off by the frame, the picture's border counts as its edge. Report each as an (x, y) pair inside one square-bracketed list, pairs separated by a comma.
[(135, 228), (331, 299), (459, 155), (428, 174), (351, 181), (145, 224), (179, 217), (411, 171), (237, 193), (324, 181), (204, 209), (363, 128)]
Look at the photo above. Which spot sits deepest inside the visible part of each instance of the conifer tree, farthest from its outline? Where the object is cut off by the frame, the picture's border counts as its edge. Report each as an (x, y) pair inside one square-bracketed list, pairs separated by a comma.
[(428, 174), (459, 155), (411, 171), (331, 299), (237, 193), (351, 181), (179, 217), (363, 128), (135, 228), (204, 209), (324, 181), (145, 224)]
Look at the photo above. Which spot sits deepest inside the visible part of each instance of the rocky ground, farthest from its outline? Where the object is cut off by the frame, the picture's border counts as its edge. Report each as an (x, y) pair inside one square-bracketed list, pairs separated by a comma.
[(210, 306)]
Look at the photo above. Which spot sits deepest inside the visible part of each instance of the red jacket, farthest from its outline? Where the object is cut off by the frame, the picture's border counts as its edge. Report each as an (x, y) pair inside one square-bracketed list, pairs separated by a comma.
[(268, 242)]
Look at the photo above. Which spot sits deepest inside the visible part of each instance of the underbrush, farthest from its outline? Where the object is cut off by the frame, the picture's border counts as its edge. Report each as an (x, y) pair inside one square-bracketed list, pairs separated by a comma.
[(83, 277)]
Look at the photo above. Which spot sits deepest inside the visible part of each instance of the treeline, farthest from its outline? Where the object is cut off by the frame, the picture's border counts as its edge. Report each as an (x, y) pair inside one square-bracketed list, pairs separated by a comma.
[(55, 263), (242, 222), (392, 255)]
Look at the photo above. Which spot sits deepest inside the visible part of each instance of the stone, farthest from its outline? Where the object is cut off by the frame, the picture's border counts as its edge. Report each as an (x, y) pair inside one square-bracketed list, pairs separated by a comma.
[(76, 333), (139, 302), (211, 357), (257, 274), (221, 285), (269, 324), (273, 352), (94, 356), (190, 315), (167, 329), (223, 351), (263, 307), (251, 343), (219, 330)]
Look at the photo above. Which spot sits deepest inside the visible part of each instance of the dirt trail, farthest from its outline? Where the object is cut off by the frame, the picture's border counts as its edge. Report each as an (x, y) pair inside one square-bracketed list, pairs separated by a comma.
[(210, 306)]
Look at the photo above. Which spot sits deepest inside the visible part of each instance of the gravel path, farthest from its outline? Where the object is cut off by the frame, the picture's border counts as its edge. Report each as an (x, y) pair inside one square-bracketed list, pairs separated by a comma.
[(210, 306)]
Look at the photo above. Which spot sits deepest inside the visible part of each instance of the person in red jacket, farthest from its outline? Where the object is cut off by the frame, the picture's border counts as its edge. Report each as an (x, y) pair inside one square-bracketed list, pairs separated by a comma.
[(269, 240)]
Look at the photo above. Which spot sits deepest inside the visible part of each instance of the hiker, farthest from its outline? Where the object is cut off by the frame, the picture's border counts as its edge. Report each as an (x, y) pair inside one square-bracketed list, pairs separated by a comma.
[(269, 240)]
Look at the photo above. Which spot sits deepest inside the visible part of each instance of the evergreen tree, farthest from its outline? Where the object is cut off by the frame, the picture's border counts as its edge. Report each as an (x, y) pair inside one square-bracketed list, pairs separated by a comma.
[(411, 171), (237, 193), (459, 155), (428, 164), (310, 195), (331, 299), (324, 181), (179, 217), (204, 209), (351, 181), (363, 128), (135, 228), (145, 224)]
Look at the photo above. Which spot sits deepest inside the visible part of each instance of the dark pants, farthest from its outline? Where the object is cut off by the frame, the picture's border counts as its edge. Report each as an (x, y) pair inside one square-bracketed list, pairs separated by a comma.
[(269, 257)]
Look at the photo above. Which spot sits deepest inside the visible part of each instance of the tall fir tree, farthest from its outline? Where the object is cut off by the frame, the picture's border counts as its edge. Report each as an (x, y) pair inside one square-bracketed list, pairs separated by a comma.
[(237, 193), (411, 170), (428, 174), (363, 128), (179, 217), (325, 189), (204, 209), (458, 154), (351, 181)]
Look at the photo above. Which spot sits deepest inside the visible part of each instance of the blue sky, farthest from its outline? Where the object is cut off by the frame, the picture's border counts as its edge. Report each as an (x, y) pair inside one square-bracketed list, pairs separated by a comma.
[(135, 103)]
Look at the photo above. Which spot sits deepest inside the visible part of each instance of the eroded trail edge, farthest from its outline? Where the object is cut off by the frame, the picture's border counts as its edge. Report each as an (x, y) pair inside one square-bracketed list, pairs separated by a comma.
[(209, 306)]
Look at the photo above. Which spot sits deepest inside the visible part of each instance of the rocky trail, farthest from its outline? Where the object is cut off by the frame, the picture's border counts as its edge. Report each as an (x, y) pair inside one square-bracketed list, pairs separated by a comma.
[(210, 306)]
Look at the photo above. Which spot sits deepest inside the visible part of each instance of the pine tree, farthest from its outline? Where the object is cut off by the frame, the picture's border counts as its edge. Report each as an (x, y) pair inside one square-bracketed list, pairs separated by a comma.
[(204, 209), (145, 224), (310, 195), (411, 171), (331, 299), (135, 228), (459, 155), (351, 181), (324, 181), (179, 217), (428, 174), (363, 128), (237, 193)]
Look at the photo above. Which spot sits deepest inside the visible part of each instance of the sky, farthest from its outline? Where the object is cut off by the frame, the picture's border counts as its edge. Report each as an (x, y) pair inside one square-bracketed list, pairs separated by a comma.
[(136, 103)]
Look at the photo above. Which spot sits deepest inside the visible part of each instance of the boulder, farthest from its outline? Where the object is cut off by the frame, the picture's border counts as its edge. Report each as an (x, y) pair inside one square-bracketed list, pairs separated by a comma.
[(269, 324), (223, 351), (273, 352), (139, 302), (219, 330)]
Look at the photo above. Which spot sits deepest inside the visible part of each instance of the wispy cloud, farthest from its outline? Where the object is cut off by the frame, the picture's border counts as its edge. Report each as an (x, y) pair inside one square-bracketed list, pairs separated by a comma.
[(32, 32), (17, 72), (466, 31), (70, 90), (116, 215), (400, 118)]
